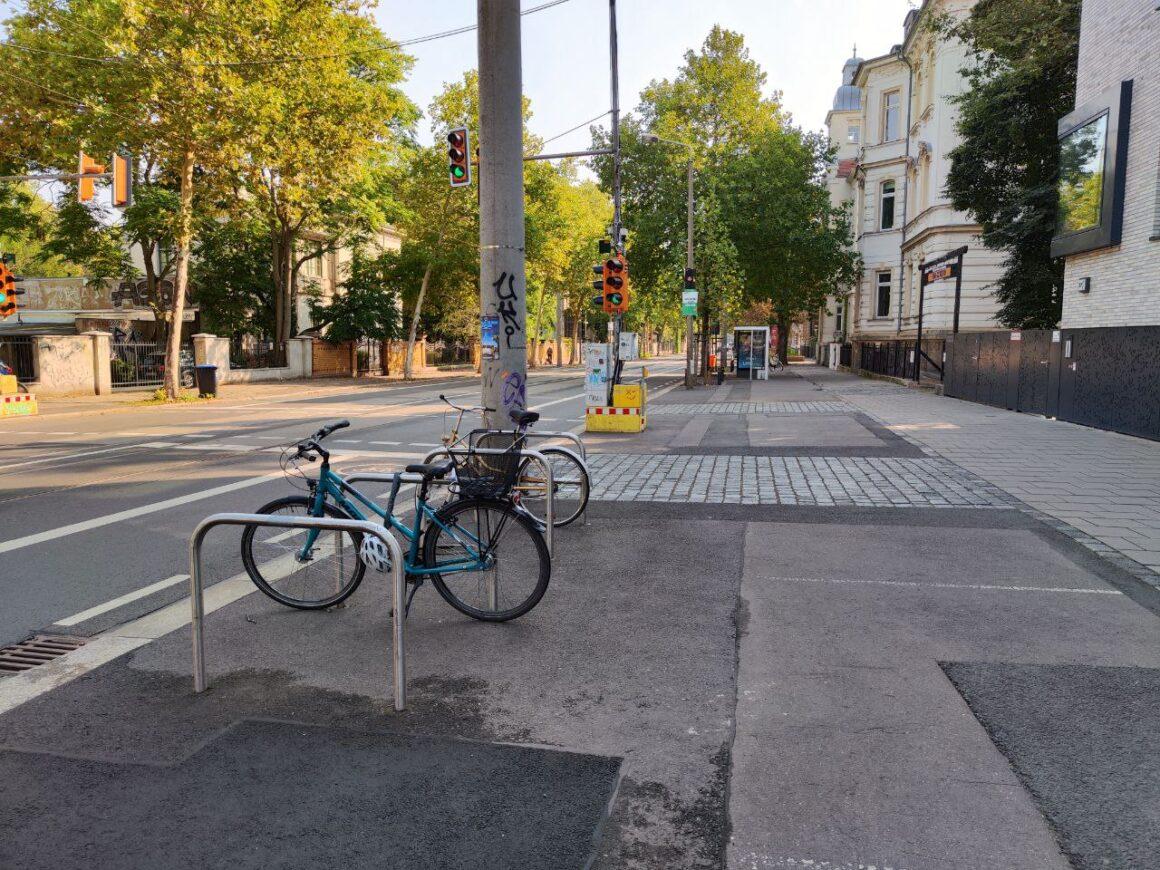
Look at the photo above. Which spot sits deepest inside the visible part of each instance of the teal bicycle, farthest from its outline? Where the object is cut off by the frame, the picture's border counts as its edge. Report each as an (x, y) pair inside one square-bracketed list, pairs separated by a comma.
[(487, 558)]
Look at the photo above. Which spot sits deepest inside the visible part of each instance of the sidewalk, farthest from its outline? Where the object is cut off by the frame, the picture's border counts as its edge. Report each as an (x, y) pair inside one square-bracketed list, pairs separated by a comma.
[(790, 635)]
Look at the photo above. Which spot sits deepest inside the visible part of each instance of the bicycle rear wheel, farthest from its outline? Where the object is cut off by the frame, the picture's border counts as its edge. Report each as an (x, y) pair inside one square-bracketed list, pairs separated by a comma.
[(273, 558), (503, 562), (569, 479)]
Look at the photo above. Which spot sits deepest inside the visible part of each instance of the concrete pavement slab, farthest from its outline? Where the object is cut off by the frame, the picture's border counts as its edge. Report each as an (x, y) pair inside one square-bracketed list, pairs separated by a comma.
[(851, 746)]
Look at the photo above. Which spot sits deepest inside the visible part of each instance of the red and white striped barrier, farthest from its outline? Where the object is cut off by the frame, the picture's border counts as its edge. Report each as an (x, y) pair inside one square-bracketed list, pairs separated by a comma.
[(612, 412)]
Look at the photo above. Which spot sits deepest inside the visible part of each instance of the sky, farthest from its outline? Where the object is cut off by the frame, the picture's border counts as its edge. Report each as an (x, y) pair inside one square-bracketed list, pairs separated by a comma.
[(801, 45)]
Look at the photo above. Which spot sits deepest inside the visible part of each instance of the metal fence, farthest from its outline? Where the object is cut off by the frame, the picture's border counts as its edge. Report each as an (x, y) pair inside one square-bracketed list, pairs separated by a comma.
[(18, 352), (846, 355), (896, 359), (369, 357), (448, 353), (135, 364), (1103, 377), (250, 353)]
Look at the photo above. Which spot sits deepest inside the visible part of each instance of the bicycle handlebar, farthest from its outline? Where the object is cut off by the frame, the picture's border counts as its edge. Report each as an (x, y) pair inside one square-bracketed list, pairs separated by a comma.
[(443, 398), (331, 429)]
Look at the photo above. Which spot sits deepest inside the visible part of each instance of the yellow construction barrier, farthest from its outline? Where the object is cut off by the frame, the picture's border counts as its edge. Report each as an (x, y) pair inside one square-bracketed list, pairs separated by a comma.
[(18, 405), (8, 385), (614, 420)]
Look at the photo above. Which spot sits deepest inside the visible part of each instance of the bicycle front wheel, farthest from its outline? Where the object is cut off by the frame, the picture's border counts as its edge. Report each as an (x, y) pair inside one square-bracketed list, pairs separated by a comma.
[(496, 564), (569, 480), (322, 577)]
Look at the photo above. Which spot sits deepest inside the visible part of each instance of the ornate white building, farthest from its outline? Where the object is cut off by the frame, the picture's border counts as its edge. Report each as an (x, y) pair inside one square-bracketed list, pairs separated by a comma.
[(898, 107)]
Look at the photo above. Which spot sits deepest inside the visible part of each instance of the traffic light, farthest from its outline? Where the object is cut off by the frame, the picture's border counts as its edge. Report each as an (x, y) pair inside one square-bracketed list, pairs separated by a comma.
[(122, 181), (615, 273), (460, 156), (8, 291), (690, 279), (598, 284), (85, 186)]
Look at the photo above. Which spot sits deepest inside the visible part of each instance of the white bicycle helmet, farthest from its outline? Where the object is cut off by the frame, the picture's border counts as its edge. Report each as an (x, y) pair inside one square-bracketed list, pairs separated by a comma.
[(373, 553)]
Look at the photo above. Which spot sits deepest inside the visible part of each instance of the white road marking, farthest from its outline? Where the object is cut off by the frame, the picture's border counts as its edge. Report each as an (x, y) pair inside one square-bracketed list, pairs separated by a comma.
[(114, 603), (389, 443), (198, 436), (66, 456), (132, 513), (911, 584), (173, 445), (348, 441)]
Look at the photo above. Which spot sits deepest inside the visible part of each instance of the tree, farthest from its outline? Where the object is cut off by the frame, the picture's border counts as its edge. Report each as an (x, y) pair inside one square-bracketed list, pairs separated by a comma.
[(326, 127), (26, 221), (230, 275), (792, 244), (718, 104), (1006, 170), (367, 304)]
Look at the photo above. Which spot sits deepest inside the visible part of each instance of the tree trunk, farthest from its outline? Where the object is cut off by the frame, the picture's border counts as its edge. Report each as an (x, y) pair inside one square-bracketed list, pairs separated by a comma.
[(184, 238), (559, 330), (408, 371), (703, 362), (783, 323), (573, 357), (535, 360)]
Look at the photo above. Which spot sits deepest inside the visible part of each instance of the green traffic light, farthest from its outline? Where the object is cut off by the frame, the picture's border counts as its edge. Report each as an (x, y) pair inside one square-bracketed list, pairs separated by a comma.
[(3, 297), (457, 171)]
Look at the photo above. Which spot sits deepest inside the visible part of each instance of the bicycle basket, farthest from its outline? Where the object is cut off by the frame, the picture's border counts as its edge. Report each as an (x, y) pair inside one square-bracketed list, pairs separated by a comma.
[(489, 475)]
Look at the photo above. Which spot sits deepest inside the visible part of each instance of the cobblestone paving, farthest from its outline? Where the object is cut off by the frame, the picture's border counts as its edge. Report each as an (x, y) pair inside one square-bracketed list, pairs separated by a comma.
[(754, 408), (787, 480)]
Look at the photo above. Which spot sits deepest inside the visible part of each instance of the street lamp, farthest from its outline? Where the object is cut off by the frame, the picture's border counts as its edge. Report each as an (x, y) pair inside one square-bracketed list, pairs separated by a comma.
[(653, 139)]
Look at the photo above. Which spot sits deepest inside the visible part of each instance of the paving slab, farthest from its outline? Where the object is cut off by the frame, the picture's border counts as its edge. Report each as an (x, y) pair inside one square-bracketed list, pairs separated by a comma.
[(283, 794), (852, 747)]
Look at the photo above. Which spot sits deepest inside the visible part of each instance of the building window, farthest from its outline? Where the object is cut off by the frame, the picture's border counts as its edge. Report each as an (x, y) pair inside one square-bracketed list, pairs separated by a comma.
[(886, 210), (312, 268), (854, 134), (1156, 217), (882, 302), (839, 310), (892, 116)]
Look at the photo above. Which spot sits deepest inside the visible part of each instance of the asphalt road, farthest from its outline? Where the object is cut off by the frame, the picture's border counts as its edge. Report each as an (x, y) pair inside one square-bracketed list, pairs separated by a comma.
[(96, 509)]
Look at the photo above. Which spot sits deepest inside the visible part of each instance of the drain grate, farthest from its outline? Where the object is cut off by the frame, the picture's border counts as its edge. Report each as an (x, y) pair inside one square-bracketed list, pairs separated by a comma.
[(35, 651)]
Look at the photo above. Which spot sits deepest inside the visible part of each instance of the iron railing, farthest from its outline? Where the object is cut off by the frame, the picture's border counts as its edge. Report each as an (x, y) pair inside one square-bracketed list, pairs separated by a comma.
[(370, 357), (897, 358), (142, 364), (18, 352), (448, 354), (248, 353)]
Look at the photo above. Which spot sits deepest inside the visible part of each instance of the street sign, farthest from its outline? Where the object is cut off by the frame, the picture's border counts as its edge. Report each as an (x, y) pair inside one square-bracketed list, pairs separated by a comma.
[(940, 273), (688, 303)]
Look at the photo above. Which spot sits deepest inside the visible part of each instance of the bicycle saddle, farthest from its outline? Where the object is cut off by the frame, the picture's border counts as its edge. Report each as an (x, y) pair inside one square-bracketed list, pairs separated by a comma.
[(431, 470), (524, 418)]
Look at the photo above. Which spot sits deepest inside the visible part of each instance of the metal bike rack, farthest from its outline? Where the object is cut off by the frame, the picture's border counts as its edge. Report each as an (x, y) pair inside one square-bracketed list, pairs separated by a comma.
[(399, 583), (451, 452), (567, 436)]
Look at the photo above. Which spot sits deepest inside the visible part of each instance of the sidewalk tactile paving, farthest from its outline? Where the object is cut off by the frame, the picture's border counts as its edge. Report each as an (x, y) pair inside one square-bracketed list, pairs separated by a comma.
[(752, 408)]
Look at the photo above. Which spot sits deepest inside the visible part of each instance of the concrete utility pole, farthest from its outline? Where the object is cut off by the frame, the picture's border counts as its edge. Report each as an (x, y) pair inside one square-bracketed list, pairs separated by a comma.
[(614, 71), (689, 321), (502, 280)]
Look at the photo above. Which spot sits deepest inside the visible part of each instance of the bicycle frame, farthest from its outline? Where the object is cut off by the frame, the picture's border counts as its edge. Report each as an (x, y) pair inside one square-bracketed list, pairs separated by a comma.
[(331, 485)]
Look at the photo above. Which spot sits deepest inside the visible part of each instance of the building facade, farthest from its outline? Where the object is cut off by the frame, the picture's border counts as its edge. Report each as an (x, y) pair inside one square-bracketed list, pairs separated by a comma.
[(896, 185), (1117, 284)]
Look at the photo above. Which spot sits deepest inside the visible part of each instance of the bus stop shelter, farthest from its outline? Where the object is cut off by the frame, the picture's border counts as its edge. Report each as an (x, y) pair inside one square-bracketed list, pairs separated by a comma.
[(751, 349)]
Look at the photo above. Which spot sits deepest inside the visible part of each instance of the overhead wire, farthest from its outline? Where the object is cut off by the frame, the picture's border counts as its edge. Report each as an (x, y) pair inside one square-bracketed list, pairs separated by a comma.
[(270, 61)]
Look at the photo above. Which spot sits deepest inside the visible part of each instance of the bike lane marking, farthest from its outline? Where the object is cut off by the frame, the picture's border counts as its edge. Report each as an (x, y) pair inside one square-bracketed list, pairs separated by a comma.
[(127, 598), (131, 513)]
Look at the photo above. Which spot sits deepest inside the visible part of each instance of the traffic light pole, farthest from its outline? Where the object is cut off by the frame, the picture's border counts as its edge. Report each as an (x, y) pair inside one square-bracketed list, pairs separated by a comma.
[(502, 279), (614, 69), (689, 264)]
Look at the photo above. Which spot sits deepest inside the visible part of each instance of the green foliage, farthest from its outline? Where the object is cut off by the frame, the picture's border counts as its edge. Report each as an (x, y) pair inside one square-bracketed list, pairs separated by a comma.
[(230, 276), (367, 304), (793, 246), (1005, 172), (26, 220), (79, 235)]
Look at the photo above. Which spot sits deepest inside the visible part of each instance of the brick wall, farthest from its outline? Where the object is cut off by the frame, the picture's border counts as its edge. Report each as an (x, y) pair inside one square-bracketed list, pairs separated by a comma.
[(331, 359), (1120, 40)]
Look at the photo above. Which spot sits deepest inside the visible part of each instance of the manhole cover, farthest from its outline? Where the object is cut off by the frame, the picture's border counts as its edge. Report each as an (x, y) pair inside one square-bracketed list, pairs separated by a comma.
[(35, 651)]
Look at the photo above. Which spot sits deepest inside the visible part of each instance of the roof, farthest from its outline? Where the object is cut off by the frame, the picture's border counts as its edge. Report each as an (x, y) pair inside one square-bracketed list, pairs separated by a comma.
[(846, 167)]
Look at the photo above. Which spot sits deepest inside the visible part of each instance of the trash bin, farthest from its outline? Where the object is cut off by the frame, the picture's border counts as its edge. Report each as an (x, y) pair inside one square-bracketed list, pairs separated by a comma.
[(206, 380)]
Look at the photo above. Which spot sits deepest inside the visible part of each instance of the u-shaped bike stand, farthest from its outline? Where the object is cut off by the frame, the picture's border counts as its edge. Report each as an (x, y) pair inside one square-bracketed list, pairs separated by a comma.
[(398, 580)]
